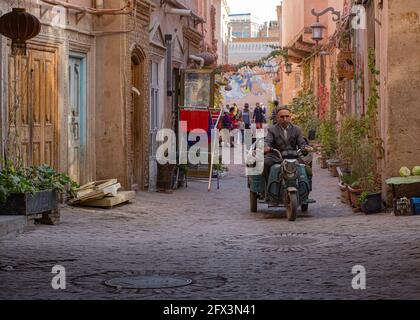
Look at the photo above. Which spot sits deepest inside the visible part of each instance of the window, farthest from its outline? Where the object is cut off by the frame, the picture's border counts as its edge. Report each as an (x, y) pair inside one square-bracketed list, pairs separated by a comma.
[(236, 34)]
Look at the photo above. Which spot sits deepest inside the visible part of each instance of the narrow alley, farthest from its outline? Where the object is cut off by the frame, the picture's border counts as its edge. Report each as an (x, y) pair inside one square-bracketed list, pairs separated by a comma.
[(214, 240)]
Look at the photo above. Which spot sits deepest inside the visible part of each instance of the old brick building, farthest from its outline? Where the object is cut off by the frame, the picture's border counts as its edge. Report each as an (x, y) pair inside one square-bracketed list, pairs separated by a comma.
[(99, 81), (384, 36)]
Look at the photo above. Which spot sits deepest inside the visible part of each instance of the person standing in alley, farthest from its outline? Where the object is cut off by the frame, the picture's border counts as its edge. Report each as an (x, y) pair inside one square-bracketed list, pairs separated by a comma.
[(241, 127), (235, 111), (264, 110), (226, 127), (246, 116), (258, 116), (233, 118), (275, 111)]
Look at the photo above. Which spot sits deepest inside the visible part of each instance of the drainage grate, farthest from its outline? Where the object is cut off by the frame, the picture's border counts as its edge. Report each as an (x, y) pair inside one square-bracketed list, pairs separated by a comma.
[(148, 282)]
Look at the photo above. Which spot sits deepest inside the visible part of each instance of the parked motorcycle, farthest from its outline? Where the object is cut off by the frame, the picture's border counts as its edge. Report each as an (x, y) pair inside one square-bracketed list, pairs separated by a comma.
[(289, 183)]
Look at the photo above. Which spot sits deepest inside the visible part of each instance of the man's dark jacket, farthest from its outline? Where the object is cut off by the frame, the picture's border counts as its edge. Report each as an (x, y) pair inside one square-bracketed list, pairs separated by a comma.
[(275, 138)]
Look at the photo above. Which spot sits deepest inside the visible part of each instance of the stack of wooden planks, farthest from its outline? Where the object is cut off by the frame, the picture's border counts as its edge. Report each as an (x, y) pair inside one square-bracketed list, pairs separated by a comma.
[(103, 194)]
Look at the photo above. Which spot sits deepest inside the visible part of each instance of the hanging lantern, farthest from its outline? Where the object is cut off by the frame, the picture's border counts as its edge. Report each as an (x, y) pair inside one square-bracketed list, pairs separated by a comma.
[(317, 29), (19, 26)]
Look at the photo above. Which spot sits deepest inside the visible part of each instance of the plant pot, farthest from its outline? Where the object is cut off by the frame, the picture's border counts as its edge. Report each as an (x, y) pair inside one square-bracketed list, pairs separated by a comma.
[(332, 166), (372, 204), (165, 176), (354, 197), (345, 196), (30, 204), (343, 171), (323, 163)]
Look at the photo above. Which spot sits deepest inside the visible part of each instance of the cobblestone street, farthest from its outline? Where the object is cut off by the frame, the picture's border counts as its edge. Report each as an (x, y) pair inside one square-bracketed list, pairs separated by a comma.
[(213, 239)]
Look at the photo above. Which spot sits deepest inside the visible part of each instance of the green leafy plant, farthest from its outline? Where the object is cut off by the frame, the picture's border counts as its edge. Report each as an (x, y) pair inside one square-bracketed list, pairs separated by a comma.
[(327, 135), (363, 197), (303, 108), (352, 130), (372, 106), (220, 167), (349, 179), (21, 179)]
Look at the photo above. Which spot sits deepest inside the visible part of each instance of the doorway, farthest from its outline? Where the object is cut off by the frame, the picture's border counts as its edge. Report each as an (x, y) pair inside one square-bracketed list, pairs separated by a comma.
[(137, 123), (77, 117), (32, 110)]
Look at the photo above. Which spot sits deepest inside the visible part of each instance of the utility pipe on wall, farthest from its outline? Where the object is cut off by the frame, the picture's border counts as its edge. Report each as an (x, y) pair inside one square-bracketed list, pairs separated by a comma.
[(179, 12)]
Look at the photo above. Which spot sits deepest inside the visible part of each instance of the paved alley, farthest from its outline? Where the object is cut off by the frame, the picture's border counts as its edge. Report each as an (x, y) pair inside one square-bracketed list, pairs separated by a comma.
[(214, 240)]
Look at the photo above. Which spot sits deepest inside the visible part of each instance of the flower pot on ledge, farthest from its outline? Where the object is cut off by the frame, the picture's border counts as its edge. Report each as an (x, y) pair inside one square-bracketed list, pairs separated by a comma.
[(354, 197), (40, 207), (30, 204), (332, 166), (372, 204), (345, 195), (323, 162)]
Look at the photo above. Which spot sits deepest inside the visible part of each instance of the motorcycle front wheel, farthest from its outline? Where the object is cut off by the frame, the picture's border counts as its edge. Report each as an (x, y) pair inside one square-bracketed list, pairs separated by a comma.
[(292, 206)]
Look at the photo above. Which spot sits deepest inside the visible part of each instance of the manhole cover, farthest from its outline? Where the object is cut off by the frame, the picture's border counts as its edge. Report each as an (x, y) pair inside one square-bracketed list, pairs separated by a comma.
[(148, 282), (286, 240)]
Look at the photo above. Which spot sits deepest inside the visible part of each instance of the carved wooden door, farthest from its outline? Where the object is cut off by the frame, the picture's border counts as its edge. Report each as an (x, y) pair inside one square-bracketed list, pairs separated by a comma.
[(33, 106)]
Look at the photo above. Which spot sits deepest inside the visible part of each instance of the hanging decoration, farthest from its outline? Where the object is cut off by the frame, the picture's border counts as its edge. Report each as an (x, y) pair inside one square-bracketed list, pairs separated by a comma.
[(276, 53), (345, 65), (19, 26)]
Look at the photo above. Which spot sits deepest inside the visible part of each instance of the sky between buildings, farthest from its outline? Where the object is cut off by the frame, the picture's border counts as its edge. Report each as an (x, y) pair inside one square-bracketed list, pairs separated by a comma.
[(265, 10)]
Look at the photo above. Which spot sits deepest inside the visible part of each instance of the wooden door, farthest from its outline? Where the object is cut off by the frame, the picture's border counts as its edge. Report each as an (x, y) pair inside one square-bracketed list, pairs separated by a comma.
[(44, 88), (33, 106)]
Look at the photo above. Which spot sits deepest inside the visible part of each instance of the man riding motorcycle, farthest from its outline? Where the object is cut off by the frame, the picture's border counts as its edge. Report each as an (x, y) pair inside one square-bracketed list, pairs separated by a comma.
[(285, 137)]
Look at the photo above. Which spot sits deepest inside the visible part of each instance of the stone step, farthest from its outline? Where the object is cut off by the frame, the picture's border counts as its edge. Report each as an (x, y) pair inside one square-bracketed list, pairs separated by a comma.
[(11, 226)]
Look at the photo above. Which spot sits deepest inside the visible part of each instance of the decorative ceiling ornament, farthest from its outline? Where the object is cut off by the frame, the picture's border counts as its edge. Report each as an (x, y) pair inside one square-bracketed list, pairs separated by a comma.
[(19, 26)]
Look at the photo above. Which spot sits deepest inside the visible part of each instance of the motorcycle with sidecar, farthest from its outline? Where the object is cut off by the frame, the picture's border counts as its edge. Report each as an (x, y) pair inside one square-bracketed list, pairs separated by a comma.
[(289, 183)]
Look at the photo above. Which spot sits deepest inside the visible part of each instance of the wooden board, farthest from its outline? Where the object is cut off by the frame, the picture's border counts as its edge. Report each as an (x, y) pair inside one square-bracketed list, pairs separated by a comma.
[(96, 190), (110, 202)]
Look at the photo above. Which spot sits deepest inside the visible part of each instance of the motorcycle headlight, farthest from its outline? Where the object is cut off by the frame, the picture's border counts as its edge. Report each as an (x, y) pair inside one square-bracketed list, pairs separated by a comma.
[(290, 167)]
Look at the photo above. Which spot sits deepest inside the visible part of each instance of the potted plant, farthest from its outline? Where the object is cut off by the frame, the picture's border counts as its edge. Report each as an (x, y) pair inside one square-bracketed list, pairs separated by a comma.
[(346, 180), (371, 202), (333, 164), (31, 190), (354, 192), (371, 198), (351, 133), (327, 135)]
